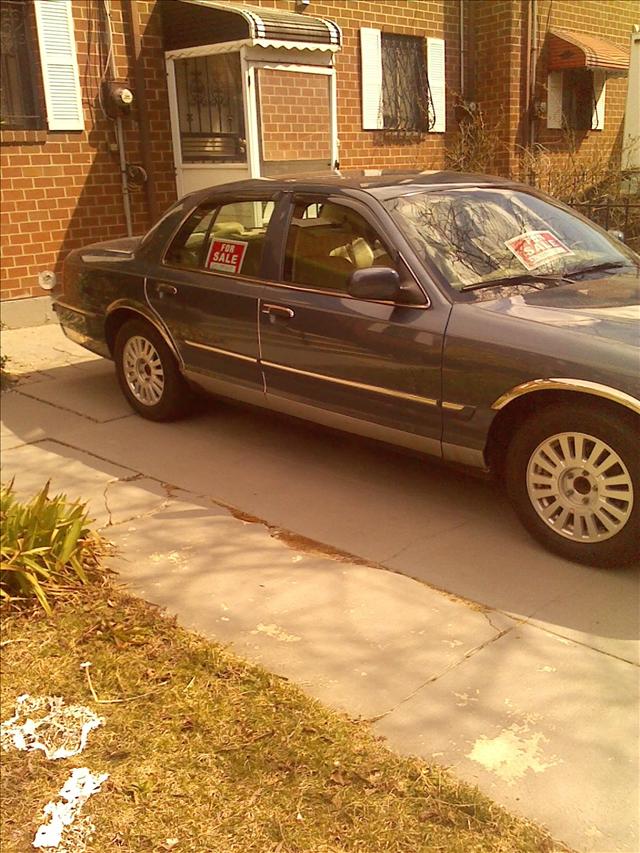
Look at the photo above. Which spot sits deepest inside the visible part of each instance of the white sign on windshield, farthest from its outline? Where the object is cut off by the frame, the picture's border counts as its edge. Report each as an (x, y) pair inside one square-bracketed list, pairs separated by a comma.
[(534, 248)]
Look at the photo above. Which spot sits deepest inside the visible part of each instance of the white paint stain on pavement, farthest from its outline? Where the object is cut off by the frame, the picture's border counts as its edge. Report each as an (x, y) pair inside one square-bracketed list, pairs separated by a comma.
[(58, 827), (512, 753), (276, 633)]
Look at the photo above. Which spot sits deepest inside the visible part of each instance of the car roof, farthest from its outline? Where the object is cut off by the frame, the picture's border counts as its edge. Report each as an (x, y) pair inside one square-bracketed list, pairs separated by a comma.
[(378, 182)]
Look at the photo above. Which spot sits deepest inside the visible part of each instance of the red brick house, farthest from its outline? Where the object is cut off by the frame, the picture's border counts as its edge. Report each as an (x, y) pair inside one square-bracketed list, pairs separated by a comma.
[(112, 108)]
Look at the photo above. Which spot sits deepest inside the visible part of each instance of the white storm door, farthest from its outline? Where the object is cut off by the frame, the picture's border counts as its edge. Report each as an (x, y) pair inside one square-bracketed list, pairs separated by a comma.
[(208, 119)]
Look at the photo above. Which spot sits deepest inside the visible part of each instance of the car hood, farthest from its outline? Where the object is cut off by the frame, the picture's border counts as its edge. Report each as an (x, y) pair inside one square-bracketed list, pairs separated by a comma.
[(607, 307)]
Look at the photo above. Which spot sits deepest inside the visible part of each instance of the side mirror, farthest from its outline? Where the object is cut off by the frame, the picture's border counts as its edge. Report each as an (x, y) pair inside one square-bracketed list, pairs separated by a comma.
[(380, 283), (618, 235)]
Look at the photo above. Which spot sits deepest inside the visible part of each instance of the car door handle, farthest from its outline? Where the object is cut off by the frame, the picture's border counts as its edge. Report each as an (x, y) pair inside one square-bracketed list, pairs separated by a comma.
[(168, 289), (278, 311)]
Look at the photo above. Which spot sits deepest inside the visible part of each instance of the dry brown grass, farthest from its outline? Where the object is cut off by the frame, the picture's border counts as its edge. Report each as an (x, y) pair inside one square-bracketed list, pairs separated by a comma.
[(220, 754)]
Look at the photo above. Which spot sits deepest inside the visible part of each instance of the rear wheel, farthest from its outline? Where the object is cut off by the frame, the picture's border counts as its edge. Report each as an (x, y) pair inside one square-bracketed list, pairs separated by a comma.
[(573, 474), (148, 373)]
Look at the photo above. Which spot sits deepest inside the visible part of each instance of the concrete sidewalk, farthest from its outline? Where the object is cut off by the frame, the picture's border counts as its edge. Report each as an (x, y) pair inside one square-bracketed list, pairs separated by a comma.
[(520, 672)]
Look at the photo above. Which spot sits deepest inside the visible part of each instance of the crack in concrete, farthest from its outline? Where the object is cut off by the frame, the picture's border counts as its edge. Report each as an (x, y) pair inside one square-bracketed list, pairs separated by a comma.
[(67, 409), (310, 546), (467, 655), (106, 503)]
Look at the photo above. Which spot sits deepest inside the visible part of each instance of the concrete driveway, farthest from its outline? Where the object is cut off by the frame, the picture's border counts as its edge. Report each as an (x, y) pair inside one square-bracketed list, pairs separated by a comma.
[(386, 585)]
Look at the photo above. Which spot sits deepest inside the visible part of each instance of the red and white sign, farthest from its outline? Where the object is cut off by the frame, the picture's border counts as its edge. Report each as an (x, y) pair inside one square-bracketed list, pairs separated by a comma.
[(534, 248), (226, 256)]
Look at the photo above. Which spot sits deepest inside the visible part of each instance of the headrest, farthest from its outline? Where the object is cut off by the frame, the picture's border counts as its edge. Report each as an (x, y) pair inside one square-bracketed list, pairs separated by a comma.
[(362, 254), (221, 229)]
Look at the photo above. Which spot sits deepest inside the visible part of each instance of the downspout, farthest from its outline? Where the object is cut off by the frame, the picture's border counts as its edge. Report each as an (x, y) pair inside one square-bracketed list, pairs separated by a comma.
[(533, 71), (126, 199), (526, 128), (462, 50), (143, 116)]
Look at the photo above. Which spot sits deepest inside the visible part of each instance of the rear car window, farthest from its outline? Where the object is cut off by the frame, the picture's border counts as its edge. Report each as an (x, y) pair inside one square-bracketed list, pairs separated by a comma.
[(227, 238)]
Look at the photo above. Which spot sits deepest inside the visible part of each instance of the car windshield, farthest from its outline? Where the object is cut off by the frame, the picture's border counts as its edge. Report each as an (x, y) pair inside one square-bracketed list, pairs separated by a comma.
[(476, 236)]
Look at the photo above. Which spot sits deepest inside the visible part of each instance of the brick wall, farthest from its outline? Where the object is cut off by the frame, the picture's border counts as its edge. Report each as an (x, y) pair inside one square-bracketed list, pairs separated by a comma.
[(365, 148), (497, 60), (63, 190), (611, 20), (295, 115)]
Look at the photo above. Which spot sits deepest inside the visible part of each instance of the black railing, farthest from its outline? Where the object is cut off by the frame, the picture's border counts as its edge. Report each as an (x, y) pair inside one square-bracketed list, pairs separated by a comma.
[(620, 215)]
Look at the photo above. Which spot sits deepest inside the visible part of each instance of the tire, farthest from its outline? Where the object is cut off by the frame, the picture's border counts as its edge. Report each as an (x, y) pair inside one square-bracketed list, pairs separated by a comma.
[(148, 373), (573, 475)]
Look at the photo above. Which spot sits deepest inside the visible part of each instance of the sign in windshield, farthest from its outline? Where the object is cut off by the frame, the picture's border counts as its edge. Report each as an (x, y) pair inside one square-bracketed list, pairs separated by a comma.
[(476, 235)]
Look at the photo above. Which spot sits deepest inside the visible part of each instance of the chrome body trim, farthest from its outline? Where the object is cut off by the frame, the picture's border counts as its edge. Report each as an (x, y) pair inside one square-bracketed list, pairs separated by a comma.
[(221, 351), (559, 384), (258, 306), (151, 316), (362, 386), (74, 309), (286, 285), (335, 420), (452, 407)]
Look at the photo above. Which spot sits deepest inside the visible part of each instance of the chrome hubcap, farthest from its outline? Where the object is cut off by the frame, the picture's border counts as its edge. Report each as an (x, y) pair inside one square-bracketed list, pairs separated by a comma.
[(143, 370), (580, 487)]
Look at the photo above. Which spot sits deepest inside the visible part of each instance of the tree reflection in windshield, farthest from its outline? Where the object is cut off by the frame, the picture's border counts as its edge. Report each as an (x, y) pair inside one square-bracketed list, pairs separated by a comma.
[(467, 234)]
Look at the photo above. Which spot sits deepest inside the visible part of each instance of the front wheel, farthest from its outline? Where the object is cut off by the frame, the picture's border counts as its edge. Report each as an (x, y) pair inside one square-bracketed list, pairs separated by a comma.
[(573, 474), (148, 373)]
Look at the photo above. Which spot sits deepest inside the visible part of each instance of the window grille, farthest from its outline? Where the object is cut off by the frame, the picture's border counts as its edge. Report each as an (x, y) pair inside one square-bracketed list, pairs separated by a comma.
[(211, 109), (19, 101), (407, 104)]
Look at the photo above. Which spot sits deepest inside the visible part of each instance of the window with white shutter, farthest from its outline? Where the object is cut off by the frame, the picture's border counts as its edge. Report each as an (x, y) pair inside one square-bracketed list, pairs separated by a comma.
[(576, 99), (554, 100), (402, 89), (371, 62), (436, 74), (599, 94), (59, 65)]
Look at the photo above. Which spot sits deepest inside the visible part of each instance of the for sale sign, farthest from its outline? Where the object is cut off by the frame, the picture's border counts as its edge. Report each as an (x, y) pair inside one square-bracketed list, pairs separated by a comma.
[(534, 248), (226, 256)]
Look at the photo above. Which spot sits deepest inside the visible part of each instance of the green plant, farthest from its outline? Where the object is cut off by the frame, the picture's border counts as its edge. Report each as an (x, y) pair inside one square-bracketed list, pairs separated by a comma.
[(46, 546), (5, 378)]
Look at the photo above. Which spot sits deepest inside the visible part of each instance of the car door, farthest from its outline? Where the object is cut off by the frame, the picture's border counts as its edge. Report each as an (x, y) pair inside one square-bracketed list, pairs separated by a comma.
[(206, 290), (375, 367)]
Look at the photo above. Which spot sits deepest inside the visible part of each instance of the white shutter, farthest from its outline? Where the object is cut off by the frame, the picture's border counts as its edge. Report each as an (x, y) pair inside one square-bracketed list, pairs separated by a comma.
[(554, 100), (436, 74), (599, 93), (371, 59), (59, 65)]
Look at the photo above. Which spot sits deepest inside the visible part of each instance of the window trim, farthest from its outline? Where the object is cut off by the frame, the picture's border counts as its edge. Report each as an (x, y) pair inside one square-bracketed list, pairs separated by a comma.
[(68, 60), (372, 80), (364, 211), (34, 84), (215, 203)]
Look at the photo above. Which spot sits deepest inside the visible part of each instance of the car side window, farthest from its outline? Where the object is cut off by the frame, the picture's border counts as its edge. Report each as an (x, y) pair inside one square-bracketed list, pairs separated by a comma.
[(327, 242), (187, 246), (236, 238), (226, 238)]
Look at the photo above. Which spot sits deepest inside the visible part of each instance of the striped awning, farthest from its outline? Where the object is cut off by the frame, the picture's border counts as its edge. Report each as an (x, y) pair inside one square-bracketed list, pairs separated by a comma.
[(570, 49), (191, 23)]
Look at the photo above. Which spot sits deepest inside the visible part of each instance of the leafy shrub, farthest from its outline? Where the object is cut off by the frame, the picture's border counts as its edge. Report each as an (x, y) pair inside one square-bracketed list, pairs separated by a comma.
[(47, 547), (5, 378), (591, 180)]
